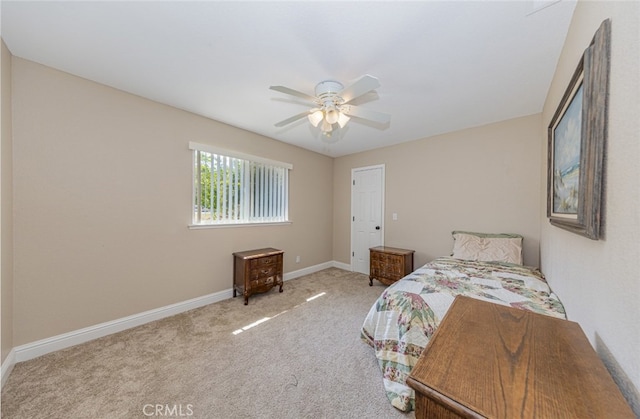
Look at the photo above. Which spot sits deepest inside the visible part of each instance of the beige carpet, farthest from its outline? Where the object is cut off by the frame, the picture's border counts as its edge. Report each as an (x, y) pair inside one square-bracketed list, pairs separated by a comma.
[(303, 359)]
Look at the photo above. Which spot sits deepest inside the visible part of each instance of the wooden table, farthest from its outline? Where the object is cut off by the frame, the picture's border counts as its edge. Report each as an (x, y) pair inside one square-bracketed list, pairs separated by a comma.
[(488, 360)]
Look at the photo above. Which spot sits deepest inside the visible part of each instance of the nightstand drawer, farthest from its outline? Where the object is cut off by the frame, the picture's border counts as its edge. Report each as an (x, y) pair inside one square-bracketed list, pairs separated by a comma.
[(388, 264), (263, 272), (263, 283), (264, 261)]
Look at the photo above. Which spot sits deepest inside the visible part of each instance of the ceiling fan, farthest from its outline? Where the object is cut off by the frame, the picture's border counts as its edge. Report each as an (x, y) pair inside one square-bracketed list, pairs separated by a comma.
[(332, 104)]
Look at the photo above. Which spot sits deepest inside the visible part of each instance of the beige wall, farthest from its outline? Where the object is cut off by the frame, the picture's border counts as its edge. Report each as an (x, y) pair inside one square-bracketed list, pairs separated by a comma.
[(6, 208), (598, 281), (102, 197), (481, 179), (101, 194)]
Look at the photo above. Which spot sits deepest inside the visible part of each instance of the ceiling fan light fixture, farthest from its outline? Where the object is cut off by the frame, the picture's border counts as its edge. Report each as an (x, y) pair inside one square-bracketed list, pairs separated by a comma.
[(342, 119), (315, 117), (332, 116), (326, 127)]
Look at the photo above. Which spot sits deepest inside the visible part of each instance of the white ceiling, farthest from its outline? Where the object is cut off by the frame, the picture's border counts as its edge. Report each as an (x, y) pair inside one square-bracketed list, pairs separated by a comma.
[(443, 65)]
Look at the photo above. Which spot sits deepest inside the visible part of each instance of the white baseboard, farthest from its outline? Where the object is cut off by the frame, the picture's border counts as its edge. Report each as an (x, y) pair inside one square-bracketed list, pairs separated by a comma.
[(66, 340), (340, 265), (308, 270), (55, 343), (7, 367)]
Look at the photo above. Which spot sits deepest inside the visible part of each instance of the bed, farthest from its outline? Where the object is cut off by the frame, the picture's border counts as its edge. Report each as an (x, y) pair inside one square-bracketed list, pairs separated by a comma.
[(405, 316)]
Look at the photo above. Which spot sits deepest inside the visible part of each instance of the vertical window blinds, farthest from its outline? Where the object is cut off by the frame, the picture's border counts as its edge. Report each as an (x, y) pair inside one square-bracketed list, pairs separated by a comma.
[(235, 188)]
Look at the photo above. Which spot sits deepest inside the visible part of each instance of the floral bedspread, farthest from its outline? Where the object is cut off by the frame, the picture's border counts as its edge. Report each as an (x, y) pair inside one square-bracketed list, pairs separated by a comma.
[(405, 316)]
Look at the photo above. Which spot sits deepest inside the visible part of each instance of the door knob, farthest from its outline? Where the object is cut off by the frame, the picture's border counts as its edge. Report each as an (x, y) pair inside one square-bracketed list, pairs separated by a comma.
[(377, 227)]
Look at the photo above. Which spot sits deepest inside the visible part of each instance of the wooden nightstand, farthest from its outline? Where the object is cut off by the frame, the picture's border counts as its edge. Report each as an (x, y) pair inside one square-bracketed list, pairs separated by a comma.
[(257, 271), (389, 264), (491, 361)]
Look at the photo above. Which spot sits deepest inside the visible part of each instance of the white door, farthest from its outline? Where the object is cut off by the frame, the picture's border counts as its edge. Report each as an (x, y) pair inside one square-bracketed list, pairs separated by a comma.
[(367, 208)]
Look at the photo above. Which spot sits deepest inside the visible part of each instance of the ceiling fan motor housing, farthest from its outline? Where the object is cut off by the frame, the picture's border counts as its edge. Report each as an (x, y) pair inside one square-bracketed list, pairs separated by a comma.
[(327, 91)]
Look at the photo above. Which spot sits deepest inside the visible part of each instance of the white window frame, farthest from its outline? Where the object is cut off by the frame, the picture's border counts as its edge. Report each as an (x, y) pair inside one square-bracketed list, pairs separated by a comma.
[(270, 174)]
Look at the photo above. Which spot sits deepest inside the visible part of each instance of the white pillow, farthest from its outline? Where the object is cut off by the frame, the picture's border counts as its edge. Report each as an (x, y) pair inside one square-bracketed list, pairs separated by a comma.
[(487, 247)]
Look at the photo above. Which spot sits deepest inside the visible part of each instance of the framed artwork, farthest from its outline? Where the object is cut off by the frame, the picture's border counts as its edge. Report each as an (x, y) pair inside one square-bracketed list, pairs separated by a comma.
[(577, 139), (566, 140)]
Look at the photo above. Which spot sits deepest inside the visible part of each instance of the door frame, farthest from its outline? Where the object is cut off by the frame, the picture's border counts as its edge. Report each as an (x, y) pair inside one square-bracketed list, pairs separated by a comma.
[(382, 206)]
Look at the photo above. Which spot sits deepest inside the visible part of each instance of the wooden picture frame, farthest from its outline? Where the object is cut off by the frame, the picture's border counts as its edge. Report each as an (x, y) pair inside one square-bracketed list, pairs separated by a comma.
[(577, 139)]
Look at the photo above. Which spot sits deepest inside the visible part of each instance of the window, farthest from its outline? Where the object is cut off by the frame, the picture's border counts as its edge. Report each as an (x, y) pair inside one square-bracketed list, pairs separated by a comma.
[(235, 188)]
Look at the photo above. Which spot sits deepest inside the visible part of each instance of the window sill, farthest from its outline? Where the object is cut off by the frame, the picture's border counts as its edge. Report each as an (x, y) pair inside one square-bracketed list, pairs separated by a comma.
[(231, 225)]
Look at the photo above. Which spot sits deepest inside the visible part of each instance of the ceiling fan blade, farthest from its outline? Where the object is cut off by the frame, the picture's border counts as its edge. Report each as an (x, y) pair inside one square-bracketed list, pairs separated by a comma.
[(379, 117), (283, 89), (292, 119), (363, 85)]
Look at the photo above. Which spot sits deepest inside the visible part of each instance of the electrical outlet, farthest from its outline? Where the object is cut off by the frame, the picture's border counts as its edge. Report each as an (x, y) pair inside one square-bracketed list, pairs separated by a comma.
[(297, 259)]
